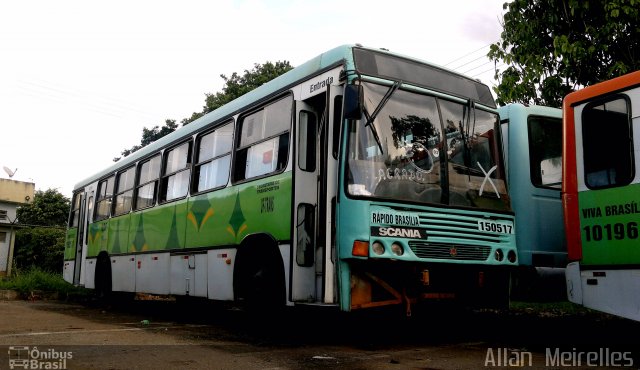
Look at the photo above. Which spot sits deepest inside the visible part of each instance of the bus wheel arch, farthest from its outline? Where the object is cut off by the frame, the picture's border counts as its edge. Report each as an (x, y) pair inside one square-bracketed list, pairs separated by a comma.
[(103, 277), (258, 275)]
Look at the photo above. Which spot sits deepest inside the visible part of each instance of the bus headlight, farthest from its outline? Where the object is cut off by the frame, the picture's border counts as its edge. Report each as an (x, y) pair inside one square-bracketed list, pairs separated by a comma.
[(499, 255), (397, 249), (511, 256), (377, 248)]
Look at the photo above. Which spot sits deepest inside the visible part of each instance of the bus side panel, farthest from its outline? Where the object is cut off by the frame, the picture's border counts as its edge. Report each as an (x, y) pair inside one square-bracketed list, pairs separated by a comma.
[(225, 217), (118, 240), (264, 206), (189, 274), (70, 244), (68, 270), (89, 269), (123, 273), (98, 238), (152, 273), (547, 244), (609, 219), (208, 219), (220, 273), (614, 293), (69, 255), (159, 228)]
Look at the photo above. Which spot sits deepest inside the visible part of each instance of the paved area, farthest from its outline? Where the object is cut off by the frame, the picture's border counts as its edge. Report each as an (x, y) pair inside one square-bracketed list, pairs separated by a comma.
[(165, 335)]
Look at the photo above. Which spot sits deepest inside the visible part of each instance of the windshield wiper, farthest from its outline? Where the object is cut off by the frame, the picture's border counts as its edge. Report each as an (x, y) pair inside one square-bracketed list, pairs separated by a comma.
[(464, 132), (372, 117)]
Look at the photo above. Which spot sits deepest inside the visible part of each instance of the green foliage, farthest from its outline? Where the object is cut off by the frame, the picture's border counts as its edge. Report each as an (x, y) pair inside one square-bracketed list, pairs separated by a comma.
[(554, 47), (235, 86), (49, 208), (151, 135), (40, 247), (36, 279), (41, 243)]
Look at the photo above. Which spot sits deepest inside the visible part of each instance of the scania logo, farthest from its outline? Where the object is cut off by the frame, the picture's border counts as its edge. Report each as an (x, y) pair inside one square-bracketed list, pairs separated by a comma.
[(398, 232), (453, 251)]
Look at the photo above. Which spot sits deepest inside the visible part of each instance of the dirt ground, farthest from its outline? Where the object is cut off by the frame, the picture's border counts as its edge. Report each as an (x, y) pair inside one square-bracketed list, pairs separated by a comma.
[(200, 335)]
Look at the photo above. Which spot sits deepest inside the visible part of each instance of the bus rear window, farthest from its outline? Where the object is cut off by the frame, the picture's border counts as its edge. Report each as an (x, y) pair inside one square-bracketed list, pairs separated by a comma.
[(607, 144), (545, 151)]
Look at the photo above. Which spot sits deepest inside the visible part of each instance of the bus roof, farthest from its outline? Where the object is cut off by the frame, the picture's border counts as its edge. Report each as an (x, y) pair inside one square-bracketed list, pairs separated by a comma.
[(535, 110), (340, 55), (603, 88), (321, 62)]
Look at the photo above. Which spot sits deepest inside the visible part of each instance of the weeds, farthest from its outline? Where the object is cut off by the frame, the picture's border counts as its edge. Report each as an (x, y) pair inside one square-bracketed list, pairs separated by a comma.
[(37, 280)]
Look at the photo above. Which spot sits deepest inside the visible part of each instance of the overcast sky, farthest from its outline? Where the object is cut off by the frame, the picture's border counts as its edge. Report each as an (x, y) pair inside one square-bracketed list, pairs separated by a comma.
[(80, 79)]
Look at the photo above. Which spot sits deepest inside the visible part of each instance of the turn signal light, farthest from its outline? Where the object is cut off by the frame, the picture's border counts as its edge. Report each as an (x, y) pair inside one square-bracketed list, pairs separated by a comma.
[(360, 248)]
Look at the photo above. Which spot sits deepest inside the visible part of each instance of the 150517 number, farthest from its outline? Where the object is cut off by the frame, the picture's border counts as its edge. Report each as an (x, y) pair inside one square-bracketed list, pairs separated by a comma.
[(495, 227), (617, 231)]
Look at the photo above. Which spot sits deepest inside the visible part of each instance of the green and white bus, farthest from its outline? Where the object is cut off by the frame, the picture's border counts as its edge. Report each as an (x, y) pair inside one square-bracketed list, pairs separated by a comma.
[(600, 194), (359, 179)]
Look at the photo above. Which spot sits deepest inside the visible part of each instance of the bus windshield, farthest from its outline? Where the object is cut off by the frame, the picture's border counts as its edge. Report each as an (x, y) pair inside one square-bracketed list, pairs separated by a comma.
[(425, 150)]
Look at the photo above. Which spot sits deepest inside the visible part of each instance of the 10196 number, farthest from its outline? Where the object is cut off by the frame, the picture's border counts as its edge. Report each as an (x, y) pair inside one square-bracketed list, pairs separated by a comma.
[(617, 231)]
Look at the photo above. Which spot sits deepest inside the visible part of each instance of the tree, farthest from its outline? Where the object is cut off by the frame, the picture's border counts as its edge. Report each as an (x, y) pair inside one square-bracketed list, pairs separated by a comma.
[(554, 47), (150, 135), (49, 208), (41, 243), (235, 86), (40, 247)]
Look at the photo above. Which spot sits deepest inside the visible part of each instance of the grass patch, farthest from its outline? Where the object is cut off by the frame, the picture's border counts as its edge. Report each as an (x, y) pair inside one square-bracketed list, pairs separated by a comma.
[(37, 280)]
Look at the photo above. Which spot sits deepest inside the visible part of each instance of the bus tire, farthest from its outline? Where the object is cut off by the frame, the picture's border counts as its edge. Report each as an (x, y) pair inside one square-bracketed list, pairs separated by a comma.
[(258, 277), (103, 282)]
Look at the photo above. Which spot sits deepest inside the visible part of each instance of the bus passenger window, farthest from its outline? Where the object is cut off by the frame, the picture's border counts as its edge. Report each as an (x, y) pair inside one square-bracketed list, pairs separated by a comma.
[(177, 171), (103, 201), (124, 191), (607, 144), (148, 173), (264, 141), (213, 157)]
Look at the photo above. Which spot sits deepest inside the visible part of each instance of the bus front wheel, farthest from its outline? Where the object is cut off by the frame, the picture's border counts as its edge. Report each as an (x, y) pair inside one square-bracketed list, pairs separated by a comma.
[(259, 277), (102, 280)]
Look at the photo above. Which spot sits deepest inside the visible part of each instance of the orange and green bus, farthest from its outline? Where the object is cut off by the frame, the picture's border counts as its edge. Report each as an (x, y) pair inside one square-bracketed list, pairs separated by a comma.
[(600, 194)]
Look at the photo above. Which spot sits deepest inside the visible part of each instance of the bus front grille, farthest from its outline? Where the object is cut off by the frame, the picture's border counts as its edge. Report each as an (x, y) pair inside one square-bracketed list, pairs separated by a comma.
[(450, 251)]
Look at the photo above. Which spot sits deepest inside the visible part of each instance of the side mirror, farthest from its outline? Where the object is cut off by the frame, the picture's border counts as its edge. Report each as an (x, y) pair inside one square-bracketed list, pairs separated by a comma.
[(353, 101)]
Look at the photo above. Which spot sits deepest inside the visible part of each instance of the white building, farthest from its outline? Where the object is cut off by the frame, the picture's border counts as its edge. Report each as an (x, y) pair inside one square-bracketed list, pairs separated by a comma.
[(12, 195)]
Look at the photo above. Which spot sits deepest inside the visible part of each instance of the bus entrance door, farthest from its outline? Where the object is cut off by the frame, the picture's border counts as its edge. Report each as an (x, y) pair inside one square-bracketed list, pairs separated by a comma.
[(305, 216), (82, 224), (327, 195)]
